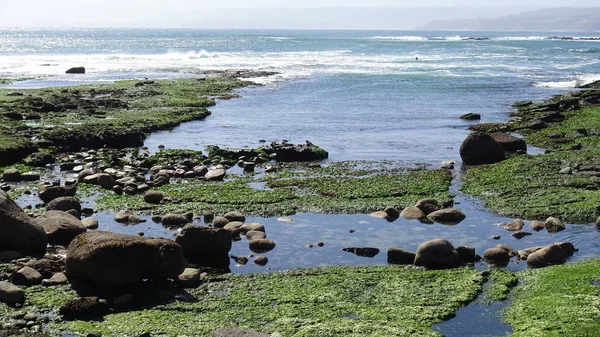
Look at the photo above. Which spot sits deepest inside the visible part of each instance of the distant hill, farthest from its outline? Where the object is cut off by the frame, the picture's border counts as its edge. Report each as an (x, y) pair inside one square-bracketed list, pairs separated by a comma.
[(554, 19)]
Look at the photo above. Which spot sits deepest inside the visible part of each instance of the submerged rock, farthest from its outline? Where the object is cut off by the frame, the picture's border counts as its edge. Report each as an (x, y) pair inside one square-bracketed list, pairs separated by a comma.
[(18, 231), (437, 254), (481, 148), (515, 225)]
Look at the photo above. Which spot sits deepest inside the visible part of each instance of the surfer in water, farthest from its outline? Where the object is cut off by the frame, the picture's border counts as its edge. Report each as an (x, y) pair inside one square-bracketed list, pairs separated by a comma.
[(416, 58)]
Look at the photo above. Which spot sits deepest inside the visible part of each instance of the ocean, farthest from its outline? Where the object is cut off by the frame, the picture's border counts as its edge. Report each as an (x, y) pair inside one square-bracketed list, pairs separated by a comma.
[(361, 95)]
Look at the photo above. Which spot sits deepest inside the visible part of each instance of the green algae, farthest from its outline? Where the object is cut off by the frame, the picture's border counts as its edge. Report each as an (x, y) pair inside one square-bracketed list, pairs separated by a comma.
[(502, 283), (335, 301), (557, 301)]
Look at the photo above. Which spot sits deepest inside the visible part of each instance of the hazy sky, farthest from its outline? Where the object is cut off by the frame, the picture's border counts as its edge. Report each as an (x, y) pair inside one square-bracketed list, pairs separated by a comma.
[(233, 14)]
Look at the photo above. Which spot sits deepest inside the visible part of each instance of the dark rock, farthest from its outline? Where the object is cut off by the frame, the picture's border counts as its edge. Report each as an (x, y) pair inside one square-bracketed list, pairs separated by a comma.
[(47, 267), (554, 225), (76, 70), (56, 279), (524, 253), (60, 227), (174, 220), (508, 249), (18, 231), (481, 148), (49, 193), (11, 294), (26, 276), (550, 255), (220, 222), (11, 175), (448, 216), (537, 225), (437, 254), (84, 308), (30, 176), (241, 260), (205, 246), (362, 251), (106, 181), (114, 259), (90, 223), (190, 278), (127, 217), (261, 261), (496, 256), (471, 116), (391, 212), (428, 206), (466, 254), (261, 246), (64, 204), (9, 256), (235, 216), (520, 235), (255, 235), (400, 256), (510, 143)]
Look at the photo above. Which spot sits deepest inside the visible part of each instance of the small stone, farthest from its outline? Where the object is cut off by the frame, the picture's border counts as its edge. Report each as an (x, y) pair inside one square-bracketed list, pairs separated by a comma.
[(261, 246), (127, 217), (554, 225), (30, 317), (90, 223), (496, 256), (235, 216), (190, 278), (153, 197), (261, 260), (56, 279), (174, 220), (285, 219), (496, 237), (241, 260), (220, 222), (520, 235), (321, 244), (252, 226), (392, 212), (515, 225), (537, 225), (255, 235)]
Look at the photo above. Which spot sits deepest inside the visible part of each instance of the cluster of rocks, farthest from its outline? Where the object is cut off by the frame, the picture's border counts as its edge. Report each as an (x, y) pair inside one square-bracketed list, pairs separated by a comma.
[(552, 225), (536, 257), (483, 148), (425, 210), (16, 176), (280, 151), (434, 254)]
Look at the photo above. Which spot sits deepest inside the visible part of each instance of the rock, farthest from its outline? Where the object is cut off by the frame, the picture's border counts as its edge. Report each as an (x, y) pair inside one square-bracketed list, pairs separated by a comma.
[(200, 171), (412, 213), (76, 70), (235, 216), (83, 174), (362, 251), (205, 246), (379, 215), (567, 247), (480, 148), (252, 226), (11, 294), (90, 223), (471, 116), (449, 216), (428, 206), (30, 176), (255, 235), (174, 220), (74, 213), (566, 170), (554, 225), (56, 279), (391, 212), (520, 235), (64, 204), (220, 222), (49, 193), (515, 225), (9, 256), (215, 174), (18, 231), (26, 276), (400, 256), (234, 227), (508, 249), (537, 225), (190, 278), (437, 254), (84, 308), (447, 165), (106, 181), (262, 246), (496, 256), (261, 261), (153, 197), (11, 175), (241, 260), (30, 317), (229, 332), (60, 227), (127, 217), (510, 143), (47, 267), (524, 254), (598, 222), (550, 255), (114, 259), (466, 254)]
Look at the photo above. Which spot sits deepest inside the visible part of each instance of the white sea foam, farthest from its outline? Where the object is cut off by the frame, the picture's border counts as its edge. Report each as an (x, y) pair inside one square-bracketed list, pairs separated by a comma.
[(579, 81), (401, 38)]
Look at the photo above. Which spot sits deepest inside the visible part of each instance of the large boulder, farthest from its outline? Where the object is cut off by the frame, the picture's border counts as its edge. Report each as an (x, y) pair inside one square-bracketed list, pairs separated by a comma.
[(205, 246), (64, 204), (49, 193), (480, 148), (437, 254), (114, 259), (61, 227), (447, 216), (510, 143), (552, 254), (18, 231)]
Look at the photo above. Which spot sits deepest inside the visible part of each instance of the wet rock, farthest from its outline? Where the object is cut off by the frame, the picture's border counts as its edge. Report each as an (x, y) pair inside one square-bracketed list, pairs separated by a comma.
[(362, 251), (471, 116), (466, 254), (90, 223), (520, 235), (49, 193), (554, 225), (379, 215), (153, 197), (437, 254), (205, 246), (114, 259), (234, 227), (64, 204), (321, 244), (220, 222), (550, 255), (127, 217), (30, 176), (449, 216), (508, 249), (200, 171), (412, 213), (524, 253), (174, 220), (9, 256), (11, 294), (84, 308), (447, 165), (598, 222), (215, 174), (515, 225), (400, 256), (481, 148), (255, 235), (26, 276), (241, 260), (56, 279), (537, 225), (11, 175), (252, 226), (261, 261), (262, 246), (428, 206), (47, 267), (235, 216), (392, 213), (190, 278), (510, 143), (496, 256), (106, 181), (76, 70), (61, 227), (19, 232), (229, 332)]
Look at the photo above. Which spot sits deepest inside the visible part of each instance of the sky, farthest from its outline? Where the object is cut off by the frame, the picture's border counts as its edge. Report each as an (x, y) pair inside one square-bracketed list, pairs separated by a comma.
[(310, 14)]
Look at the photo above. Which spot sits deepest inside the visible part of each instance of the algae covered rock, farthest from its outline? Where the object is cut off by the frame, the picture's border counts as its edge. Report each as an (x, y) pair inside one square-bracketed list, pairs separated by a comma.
[(114, 259), (18, 231), (437, 254), (480, 148)]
